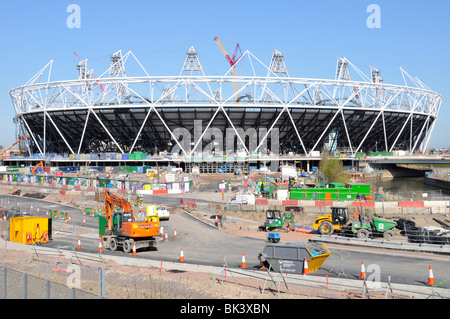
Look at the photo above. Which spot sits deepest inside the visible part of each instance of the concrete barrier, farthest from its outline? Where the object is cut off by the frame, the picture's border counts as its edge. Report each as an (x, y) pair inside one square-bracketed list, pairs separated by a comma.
[(411, 204), (364, 204), (289, 203), (261, 201), (323, 204), (437, 203), (160, 191)]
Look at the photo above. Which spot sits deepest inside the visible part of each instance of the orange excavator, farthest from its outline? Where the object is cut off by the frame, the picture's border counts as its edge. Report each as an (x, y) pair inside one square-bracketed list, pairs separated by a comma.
[(123, 231), (41, 165)]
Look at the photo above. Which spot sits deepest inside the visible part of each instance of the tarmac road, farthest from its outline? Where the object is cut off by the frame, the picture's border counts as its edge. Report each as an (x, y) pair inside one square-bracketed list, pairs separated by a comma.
[(206, 245), (201, 244)]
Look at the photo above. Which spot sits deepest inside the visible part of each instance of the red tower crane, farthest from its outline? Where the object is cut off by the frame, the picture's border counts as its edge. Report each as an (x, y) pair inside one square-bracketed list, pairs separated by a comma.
[(232, 60)]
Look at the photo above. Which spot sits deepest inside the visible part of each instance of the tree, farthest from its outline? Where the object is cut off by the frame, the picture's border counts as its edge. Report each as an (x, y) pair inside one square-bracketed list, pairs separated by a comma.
[(333, 169)]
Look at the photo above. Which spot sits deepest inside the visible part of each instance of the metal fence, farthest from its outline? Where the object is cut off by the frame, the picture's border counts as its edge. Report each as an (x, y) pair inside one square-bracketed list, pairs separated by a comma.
[(99, 281), (21, 285), (418, 195)]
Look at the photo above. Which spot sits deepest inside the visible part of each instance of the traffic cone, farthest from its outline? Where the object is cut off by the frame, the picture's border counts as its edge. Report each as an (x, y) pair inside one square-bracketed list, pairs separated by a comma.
[(430, 276), (79, 244), (134, 249), (161, 229), (175, 234), (181, 255), (84, 221), (363, 271), (4, 217), (243, 263), (100, 249), (47, 214), (166, 238), (305, 267)]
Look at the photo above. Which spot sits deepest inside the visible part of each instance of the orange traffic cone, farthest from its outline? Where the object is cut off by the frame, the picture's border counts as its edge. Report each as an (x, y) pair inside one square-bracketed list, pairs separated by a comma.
[(134, 249), (100, 249), (363, 271), (4, 217), (47, 214), (305, 267), (181, 255), (430, 276), (161, 229), (166, 238), (79, 243), (175, 234), (84, 221), (243, 263)]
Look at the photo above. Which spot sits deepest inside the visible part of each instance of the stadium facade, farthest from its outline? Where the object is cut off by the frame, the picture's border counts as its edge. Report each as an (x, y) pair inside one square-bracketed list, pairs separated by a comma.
[(266, 112)]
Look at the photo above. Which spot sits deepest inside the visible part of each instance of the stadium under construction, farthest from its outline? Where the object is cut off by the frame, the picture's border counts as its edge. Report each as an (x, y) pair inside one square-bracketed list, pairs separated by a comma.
[(126, 115)]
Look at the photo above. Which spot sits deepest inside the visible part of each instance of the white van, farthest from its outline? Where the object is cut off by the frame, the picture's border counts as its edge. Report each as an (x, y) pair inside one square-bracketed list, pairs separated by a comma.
[(160, 210), (243, 200)]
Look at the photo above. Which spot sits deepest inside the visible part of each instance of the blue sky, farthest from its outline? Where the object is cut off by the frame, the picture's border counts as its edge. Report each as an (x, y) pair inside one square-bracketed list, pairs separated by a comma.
[(414, 35)]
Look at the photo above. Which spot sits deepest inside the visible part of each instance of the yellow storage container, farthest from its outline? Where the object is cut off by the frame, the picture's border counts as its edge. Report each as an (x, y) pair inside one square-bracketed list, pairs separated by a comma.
[(29, 230)]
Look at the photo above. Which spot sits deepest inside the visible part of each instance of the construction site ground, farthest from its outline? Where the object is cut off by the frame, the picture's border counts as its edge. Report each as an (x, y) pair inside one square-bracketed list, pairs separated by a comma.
[(154, 282), (179, 281)]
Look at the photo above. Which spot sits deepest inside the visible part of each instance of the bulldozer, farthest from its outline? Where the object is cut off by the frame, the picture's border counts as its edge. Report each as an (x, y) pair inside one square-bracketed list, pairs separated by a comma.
[(121, 230), (277, 222)]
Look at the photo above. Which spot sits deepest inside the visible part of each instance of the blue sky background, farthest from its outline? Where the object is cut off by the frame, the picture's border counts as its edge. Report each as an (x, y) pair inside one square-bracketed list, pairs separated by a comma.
[(414, 35)]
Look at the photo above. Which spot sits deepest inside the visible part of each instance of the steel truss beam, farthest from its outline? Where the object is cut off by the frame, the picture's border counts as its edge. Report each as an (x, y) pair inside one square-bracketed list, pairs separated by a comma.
[(304, 111)]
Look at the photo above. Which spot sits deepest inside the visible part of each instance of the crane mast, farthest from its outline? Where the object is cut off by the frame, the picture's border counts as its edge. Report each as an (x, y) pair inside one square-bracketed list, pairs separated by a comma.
[(230, 60)]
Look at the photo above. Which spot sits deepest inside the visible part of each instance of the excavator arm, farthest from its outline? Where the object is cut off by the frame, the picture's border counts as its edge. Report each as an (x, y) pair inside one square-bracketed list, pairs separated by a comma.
[(41, 165), (112, 201)]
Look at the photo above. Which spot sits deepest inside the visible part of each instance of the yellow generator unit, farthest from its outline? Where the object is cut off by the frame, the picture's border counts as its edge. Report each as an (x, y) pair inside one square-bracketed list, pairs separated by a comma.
[(152, 214), (29, 230)]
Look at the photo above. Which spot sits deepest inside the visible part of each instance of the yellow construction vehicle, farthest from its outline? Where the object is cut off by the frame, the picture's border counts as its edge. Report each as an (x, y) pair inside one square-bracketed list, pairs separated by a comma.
[(327, 224)]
